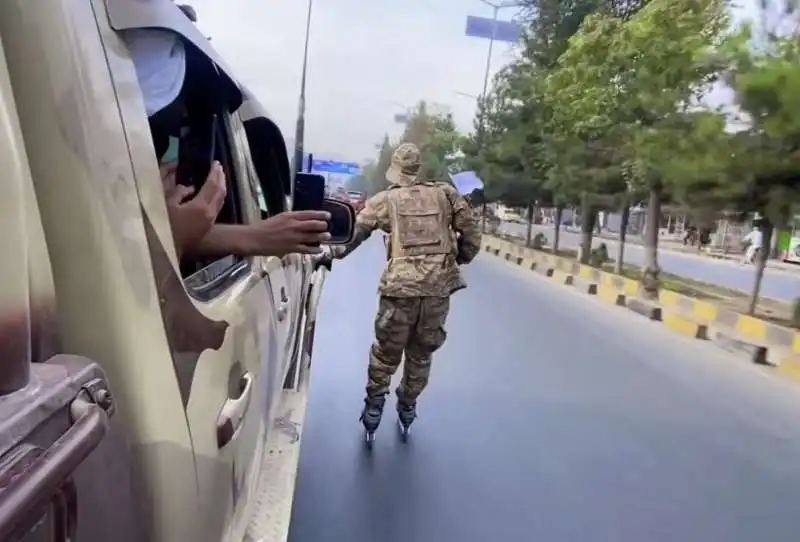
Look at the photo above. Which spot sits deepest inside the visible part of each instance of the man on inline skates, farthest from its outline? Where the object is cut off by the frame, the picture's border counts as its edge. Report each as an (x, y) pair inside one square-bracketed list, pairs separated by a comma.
[(421, 219)]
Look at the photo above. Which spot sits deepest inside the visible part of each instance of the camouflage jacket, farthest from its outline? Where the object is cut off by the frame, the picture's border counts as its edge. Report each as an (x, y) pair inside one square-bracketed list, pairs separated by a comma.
[(419, 276)]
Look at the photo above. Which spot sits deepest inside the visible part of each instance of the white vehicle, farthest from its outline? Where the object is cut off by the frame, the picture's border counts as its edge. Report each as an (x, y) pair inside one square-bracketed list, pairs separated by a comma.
[(141, 398)]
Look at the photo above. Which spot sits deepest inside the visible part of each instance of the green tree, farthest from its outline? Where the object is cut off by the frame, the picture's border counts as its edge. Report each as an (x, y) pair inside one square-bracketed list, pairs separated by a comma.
[(437, 138), (375, 172), (754, 171), (624, 87), (508, 148), (439, 143), (764, 169)]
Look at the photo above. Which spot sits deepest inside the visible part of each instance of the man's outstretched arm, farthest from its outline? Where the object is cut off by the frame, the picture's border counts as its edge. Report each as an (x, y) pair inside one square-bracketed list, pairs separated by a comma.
[(372, 216)]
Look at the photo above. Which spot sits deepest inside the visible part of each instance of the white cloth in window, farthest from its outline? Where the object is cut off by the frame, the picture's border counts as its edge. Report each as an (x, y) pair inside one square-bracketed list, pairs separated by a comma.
[(160, 60)]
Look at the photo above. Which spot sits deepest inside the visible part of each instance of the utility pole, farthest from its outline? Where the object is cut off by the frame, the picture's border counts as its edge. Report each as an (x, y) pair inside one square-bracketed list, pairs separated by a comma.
[(299, 135)]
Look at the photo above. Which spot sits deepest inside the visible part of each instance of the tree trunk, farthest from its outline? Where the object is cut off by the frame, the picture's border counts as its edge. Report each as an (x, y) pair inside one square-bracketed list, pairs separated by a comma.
[(588, 217), (651, 271), (725, 236), (761, 264), (530, 225), (623, 230), (557, 232), (483, 218)]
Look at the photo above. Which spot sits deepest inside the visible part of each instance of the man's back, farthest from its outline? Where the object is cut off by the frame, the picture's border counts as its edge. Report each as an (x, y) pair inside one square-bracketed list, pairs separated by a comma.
[(422, 252), (422, 220)]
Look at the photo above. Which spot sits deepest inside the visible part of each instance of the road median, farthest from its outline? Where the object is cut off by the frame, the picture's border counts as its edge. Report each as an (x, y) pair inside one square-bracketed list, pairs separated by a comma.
[(755, 339)]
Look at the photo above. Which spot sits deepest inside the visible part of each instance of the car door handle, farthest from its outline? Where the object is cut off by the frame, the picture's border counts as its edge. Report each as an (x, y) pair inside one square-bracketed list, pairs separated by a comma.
[(233, 411)]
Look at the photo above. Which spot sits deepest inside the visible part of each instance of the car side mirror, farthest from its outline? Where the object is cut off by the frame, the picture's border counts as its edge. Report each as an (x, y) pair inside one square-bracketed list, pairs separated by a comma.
[(342, 225)]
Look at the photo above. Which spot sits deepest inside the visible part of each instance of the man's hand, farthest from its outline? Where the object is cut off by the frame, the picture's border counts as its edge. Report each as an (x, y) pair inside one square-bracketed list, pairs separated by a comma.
[(292, 232), (191, 220)]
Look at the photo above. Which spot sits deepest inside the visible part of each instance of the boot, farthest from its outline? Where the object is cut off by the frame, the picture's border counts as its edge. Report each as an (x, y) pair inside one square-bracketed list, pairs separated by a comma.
[(373, 410), (406, 412)]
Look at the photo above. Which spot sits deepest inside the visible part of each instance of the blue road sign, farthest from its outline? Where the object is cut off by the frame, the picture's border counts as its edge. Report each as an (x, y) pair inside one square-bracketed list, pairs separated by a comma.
[(334, 166), (482, 27), (401, 118)]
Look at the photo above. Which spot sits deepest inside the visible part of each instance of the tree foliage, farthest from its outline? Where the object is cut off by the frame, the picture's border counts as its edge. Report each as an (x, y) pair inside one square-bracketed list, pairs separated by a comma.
[(439, 142), (604, 107)]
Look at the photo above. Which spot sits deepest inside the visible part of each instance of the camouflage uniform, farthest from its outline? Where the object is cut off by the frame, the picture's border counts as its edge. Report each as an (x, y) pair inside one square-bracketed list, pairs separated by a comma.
[(422, 220)]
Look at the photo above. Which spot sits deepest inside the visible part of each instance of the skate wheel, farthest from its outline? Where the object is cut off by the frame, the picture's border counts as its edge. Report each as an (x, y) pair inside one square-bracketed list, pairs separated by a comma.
[(369, 438), (404, 431)]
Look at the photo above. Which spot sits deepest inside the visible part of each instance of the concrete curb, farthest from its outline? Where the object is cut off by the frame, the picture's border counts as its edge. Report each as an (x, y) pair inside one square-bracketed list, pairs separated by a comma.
[(728, 340), (756, 340), (648, 309), (680, 324), (584, 285)]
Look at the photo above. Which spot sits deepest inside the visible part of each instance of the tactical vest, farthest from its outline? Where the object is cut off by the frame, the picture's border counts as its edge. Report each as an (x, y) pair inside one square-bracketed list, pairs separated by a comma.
[(420, 216)]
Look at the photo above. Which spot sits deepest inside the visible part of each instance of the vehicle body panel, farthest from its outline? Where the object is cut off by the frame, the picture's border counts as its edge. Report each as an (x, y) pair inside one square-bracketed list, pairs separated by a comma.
[(34, 417), (174, 362)]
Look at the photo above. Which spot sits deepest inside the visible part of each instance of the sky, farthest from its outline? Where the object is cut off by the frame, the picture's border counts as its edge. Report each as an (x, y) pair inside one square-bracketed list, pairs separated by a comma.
[(368, 60)]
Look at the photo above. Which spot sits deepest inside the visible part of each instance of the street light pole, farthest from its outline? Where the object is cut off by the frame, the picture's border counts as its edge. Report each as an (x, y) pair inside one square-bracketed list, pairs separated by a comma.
[(496, 11), (301, 114), (482, 119)]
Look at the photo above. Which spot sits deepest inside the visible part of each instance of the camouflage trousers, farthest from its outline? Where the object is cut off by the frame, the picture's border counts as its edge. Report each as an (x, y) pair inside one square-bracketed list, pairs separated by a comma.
[(413, 326)]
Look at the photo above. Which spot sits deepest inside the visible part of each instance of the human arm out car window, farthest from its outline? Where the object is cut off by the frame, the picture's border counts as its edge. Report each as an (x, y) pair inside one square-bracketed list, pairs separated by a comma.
[(285, 233)]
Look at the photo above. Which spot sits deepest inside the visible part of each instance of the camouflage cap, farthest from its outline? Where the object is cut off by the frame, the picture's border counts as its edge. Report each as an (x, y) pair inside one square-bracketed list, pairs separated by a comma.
[(405, 164)]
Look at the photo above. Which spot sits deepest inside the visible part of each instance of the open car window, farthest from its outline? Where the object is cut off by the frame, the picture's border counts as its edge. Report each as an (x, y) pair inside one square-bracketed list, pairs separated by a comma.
[(140, 14), (269, 154)]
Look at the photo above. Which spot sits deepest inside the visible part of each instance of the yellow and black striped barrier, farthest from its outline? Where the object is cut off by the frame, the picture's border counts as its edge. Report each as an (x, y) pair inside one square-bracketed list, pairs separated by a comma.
[(777, 345)]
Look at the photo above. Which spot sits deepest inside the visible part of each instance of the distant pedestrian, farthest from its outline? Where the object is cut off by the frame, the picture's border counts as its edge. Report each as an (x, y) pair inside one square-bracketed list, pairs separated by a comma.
[(754, 240)]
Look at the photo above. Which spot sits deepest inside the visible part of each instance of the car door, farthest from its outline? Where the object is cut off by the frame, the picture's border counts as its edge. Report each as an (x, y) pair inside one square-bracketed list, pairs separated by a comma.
[(294, 266), (55, 409), (271, 185), (267, 199), (224, 324)]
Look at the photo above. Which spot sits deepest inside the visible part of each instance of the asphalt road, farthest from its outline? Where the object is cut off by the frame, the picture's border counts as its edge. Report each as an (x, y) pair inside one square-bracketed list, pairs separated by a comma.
[(550, 416), (778, 284)]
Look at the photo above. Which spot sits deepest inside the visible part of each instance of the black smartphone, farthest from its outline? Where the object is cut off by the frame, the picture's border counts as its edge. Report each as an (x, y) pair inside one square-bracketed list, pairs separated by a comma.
[(197, 151), (309, 192), (212, 153)]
